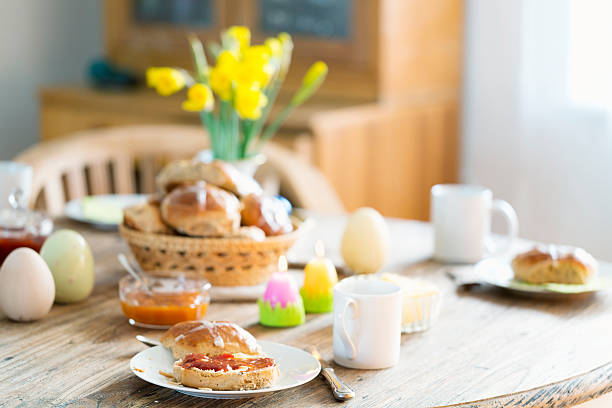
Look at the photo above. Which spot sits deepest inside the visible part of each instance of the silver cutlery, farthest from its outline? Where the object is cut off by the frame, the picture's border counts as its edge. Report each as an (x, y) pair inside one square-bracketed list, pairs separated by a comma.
[(148, 341), (341, 391)]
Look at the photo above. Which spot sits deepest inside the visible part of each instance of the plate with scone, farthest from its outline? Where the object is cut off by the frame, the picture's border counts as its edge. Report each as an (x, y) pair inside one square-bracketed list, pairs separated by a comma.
[(545, 271), (219, 359)]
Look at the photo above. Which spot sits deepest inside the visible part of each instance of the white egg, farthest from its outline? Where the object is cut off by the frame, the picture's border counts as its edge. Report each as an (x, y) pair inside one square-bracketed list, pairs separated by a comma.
[(26, 286), (366, 240)]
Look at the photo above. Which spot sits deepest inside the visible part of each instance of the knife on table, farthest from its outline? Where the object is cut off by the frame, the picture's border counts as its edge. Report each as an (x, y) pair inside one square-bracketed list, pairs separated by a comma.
[(341, 391)]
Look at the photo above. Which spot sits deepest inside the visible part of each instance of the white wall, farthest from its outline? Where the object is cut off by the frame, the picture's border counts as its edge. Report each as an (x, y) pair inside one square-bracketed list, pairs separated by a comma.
[(42, 42), (524, 134)]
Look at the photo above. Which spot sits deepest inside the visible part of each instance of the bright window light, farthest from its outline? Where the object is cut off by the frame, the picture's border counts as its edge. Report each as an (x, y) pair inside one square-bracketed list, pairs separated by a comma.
[(590, 52)]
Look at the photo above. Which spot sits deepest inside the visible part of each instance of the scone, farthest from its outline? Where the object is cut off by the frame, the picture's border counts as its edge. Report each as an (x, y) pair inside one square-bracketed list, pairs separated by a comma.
[(267, 213), (554, 264), (201, 210), (226, 372), (250, 233), (218, 173), (210, 338), (146, 218)]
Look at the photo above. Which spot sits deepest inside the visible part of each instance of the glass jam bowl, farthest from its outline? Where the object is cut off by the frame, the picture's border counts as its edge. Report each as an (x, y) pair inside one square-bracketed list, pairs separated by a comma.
[(22, 228), (170, 301)]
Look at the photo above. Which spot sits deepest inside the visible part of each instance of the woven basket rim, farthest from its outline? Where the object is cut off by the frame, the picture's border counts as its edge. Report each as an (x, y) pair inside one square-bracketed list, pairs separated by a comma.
[(179, 240)]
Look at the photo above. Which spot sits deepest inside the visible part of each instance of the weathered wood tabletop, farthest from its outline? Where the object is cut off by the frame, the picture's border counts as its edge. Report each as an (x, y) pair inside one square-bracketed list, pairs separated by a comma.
[(487, 348)]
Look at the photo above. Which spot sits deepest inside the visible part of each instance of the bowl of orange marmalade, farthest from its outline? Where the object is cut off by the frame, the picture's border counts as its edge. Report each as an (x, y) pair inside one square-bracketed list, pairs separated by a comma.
[(170, 300)]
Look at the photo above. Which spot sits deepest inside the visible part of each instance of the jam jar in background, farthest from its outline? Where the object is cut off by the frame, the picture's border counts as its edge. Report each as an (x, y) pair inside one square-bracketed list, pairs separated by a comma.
[(20, 227)]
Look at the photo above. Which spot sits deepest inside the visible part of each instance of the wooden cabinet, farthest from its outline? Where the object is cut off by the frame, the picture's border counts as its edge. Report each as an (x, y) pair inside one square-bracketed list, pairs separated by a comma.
[(387, 49), (383, 126), (387, 156)]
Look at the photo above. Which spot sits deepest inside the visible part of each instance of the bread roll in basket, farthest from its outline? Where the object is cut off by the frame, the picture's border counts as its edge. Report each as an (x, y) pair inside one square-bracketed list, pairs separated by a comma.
[(232, 261)]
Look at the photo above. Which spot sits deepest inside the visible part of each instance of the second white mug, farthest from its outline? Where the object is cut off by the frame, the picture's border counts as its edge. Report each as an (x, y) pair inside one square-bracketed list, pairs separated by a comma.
[(367, 323), (15, 177), (461, 217)]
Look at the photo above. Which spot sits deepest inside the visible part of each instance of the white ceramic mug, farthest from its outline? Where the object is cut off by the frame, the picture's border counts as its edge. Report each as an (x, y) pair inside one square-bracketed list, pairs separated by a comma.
[(367, 323), (461, 217), (15, 176)]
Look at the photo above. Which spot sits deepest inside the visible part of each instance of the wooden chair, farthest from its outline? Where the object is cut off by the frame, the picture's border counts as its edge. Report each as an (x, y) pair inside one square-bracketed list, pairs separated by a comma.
[(125, 160)]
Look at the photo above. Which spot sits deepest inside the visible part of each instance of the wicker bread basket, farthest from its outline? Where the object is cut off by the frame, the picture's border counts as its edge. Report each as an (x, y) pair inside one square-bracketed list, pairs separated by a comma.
[(222, 261)]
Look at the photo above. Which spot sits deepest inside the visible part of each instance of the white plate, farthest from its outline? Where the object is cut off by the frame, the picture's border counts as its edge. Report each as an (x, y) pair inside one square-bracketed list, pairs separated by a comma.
[(74, 208), (498, 273), (296, 367)]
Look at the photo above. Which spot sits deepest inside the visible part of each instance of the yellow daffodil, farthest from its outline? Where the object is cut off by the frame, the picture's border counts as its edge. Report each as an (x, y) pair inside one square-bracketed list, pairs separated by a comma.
[(241, 35), (152, 75), (222, 75), (249, 100), (166, 81), (199, 98), (255, 67), (258, 54), (275, 47), (316, 73)]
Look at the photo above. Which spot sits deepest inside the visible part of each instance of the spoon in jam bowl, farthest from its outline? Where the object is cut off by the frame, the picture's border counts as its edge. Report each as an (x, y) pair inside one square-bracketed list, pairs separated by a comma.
[(147, 340), (123, 260)]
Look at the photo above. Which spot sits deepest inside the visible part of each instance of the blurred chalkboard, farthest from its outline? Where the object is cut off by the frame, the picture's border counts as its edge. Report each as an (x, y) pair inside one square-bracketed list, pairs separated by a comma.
[(181, 12), (315, 18)]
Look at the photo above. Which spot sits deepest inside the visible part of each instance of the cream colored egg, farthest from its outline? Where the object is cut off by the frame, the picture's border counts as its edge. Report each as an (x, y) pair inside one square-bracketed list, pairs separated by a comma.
[(26, 286), (366, 241)]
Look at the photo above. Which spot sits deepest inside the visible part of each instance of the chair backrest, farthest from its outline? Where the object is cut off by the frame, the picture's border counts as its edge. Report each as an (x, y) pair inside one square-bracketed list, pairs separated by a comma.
[(125, 160)]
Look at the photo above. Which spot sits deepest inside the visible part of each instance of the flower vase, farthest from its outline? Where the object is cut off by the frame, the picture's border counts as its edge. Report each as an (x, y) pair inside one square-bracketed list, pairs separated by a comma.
[(247, 166)]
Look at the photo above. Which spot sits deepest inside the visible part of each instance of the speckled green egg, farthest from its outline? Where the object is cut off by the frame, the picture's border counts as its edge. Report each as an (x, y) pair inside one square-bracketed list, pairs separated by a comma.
[(69, 258)]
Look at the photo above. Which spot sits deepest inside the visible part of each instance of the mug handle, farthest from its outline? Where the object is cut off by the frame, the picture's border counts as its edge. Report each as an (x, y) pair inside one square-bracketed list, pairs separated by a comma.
[(347, 337), (505, 209)]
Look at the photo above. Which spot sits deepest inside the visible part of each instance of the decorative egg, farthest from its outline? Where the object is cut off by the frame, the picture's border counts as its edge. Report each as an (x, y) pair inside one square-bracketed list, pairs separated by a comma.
[(69, 258), (26, 286), (366, 240)]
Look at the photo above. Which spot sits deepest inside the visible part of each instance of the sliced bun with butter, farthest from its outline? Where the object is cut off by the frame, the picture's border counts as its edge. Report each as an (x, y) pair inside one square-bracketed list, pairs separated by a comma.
[(554, 264), (226, 372)]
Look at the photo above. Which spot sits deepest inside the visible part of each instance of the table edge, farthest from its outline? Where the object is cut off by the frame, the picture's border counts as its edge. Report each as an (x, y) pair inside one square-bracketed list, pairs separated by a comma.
[(564, 393)]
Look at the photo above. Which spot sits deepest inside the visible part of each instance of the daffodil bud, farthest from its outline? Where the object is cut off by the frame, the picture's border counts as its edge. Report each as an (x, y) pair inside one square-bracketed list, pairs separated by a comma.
[(286, 41), (311, 82), (316, 73)]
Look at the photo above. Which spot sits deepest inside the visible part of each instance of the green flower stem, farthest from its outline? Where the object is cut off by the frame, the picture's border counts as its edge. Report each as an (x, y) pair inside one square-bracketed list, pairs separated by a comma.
[(276, 123), (229, 132), (235, 135), (223, 130), (272, 94), (247, 131), (302, 94), (209, 120)]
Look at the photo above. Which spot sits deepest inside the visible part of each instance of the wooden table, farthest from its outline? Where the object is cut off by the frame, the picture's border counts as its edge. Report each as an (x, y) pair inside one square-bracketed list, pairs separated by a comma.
[(487, 349)]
